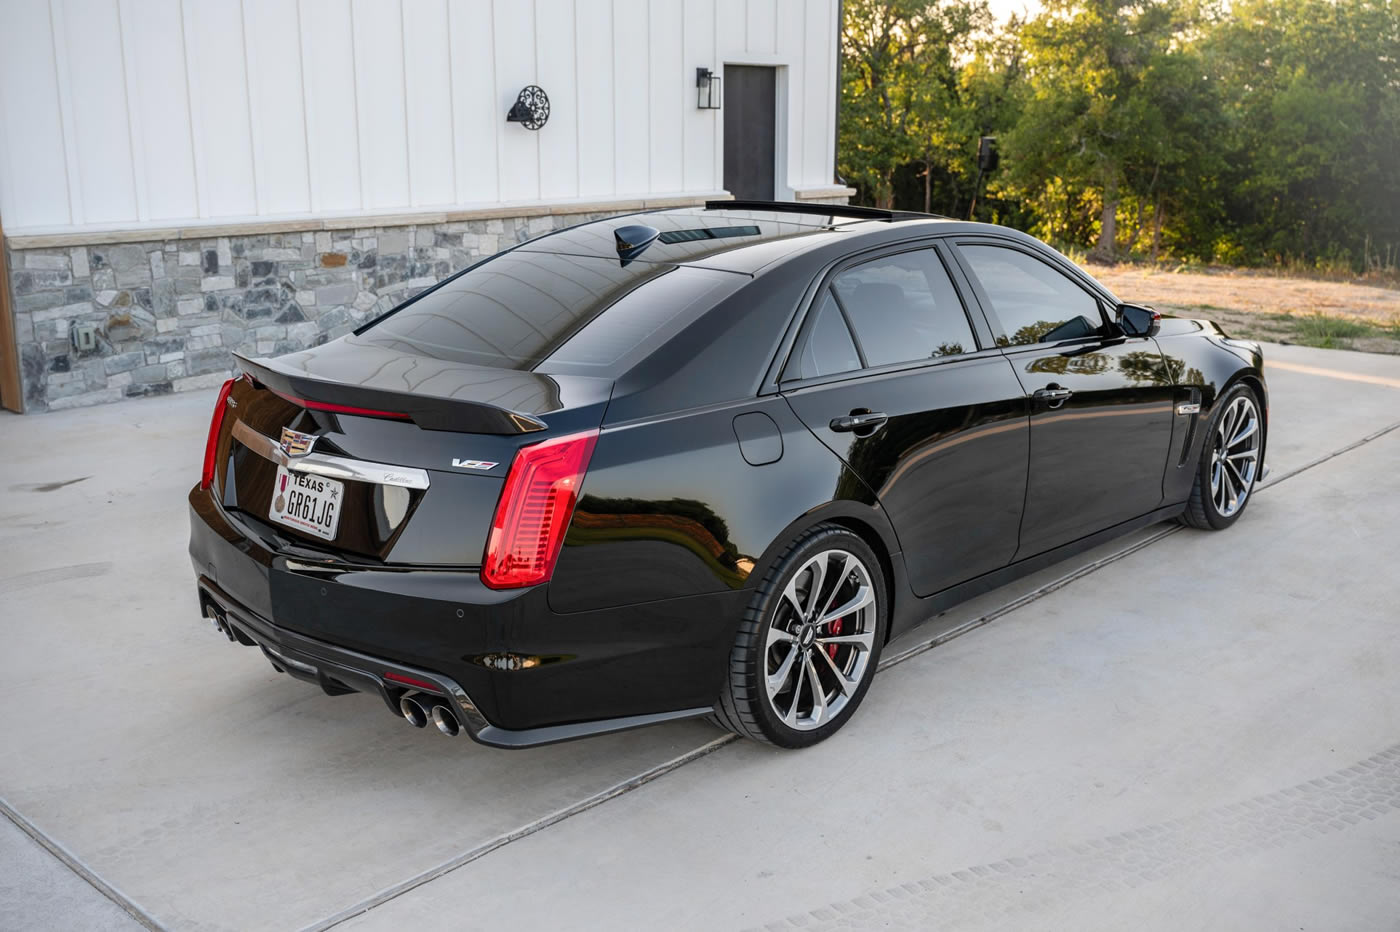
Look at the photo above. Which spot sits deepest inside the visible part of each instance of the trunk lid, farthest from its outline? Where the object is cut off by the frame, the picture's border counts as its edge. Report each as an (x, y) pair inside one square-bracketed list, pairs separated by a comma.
[(408, 456)]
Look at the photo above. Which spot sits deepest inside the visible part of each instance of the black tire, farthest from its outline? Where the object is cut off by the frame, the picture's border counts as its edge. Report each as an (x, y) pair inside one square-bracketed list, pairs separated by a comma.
[(1201, 509), (745, 707)]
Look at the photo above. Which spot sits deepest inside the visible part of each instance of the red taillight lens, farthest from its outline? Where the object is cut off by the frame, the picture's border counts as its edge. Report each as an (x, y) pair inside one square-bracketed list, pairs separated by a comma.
[(536, 505), (211, 446)]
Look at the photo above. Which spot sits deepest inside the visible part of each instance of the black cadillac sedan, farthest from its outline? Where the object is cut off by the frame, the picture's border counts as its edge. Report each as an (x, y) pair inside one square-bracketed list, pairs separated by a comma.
[(699, 462)]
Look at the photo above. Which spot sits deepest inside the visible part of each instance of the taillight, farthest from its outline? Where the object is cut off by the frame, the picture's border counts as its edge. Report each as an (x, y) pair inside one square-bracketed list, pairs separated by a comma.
[(211, 446), (537, 503)]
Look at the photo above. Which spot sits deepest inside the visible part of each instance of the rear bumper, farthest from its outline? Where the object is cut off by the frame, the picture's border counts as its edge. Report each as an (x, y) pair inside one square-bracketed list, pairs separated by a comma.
[(337, 670), (513, 672)]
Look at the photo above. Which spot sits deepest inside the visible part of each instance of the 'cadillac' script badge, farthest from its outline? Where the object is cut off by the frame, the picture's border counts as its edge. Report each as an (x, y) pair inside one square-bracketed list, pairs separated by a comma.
[(294, 443)]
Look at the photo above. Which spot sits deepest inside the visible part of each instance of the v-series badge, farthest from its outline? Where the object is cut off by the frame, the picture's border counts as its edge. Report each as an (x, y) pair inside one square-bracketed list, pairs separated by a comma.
[(473, 464)]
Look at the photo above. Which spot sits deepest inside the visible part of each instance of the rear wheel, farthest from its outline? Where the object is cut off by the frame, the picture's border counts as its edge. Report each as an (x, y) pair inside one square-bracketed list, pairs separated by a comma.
[(809, 642), (1229, 465)]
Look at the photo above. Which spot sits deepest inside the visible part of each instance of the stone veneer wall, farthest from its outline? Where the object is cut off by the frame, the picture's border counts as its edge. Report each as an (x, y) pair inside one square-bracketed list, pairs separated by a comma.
[(169, 313), (171, 310)]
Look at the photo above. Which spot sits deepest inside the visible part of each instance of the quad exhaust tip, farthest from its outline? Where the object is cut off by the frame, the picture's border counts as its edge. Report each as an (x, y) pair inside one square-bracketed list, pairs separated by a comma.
[(418, 709), (445, 721), (415, 709), (220, 622)]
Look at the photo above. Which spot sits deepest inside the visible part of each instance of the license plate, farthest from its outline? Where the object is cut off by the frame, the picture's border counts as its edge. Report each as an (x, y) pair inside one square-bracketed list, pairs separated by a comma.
[(306, 502)]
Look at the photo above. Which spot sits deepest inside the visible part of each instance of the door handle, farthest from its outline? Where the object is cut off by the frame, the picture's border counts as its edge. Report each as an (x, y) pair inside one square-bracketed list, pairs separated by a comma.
[(859, 422), (1053, 395)]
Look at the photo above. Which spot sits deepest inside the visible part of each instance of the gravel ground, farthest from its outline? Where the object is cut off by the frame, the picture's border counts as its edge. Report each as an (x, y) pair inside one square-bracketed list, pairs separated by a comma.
[(1310, 312)]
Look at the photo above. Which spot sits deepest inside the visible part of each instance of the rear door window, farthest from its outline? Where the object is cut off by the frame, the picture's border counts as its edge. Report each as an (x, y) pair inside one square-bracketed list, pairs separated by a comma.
[(904, 308), (828, 349)]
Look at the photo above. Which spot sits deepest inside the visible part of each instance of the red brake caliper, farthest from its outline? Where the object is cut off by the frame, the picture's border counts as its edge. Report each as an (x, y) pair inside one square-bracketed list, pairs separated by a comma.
[(836, 627)]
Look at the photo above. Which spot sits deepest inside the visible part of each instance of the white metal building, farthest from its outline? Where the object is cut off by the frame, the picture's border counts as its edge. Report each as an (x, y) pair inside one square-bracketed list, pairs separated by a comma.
[(155, 152)]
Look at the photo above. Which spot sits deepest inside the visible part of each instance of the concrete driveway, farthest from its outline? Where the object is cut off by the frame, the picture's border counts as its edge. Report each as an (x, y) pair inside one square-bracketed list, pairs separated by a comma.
[(1177, 730)]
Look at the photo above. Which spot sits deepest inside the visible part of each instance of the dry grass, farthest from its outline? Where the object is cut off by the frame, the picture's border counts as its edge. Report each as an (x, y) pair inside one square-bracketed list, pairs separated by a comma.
[(1280, 308)]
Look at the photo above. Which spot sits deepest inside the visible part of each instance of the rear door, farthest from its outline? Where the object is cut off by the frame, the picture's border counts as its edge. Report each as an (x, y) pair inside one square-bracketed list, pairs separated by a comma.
[(890, 373), (1101, 403)]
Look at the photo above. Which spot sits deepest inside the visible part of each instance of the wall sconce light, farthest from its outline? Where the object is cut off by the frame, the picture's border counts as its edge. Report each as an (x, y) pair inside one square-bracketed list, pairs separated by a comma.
[(531, 108), (708, 95)]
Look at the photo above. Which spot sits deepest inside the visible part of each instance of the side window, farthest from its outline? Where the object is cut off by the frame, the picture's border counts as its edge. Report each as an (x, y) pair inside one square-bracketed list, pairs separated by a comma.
[(828, 348), (903, 308), (1035, 302)]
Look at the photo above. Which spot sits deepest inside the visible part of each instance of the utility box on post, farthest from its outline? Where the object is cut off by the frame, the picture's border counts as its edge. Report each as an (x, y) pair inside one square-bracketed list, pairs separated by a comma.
[(987, 156)]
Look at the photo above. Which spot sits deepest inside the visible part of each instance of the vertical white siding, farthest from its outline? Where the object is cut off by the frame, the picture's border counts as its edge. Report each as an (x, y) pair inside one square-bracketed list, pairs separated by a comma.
[(556, 72), (761, 34), (158, 107), (790, 17), (332, 127), (816, 90), (122, 113), (427, 44), (701, 166), (518, 149), (664, 22), (278, 105), (33, 160), (381, 116), (476, 114), (596, 140), (631, 73), (92, 63), (222, 123)]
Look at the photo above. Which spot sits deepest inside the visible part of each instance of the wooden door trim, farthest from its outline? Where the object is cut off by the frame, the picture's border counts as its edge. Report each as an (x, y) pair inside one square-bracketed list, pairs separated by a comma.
[(11, 391)]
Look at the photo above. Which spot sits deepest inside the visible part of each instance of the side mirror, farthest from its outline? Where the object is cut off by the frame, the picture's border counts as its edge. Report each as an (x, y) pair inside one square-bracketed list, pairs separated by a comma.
[(1138, 321)]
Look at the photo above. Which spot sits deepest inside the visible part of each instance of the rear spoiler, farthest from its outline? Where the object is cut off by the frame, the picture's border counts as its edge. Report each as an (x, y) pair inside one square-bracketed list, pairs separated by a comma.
[(429, 412)]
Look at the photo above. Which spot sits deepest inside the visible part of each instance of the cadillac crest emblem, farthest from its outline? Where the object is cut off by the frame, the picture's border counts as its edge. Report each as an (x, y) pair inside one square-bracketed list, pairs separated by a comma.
[(294, 443)]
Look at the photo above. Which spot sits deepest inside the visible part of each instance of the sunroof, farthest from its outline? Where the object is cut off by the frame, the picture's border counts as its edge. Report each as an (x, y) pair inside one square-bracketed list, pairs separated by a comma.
[(690, 236)]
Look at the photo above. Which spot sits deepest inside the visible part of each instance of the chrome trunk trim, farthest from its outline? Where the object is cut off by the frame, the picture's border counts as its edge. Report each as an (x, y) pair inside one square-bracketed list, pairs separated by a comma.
[(331, 467)]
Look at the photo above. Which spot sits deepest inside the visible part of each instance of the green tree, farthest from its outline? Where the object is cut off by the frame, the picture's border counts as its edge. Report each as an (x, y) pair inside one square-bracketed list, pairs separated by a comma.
[(899, 82), (1260, 131), (1177, 150), (991, 94), (1081, 128), (1313, 90)]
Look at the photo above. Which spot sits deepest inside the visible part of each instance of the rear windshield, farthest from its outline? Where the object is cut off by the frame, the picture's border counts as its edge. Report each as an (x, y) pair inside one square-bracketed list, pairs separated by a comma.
[(557, 313)]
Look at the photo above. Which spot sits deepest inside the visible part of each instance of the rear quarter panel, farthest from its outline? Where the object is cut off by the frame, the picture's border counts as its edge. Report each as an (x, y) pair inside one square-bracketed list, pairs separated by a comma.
[(670, 507)]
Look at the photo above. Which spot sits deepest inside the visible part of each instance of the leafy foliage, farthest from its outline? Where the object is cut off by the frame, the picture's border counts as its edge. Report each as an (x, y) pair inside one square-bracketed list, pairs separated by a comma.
[(1268, 133)]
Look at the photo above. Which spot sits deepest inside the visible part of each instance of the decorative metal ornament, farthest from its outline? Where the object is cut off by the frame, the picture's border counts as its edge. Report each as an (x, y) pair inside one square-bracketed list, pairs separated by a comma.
[(531, 108), (296, 444)]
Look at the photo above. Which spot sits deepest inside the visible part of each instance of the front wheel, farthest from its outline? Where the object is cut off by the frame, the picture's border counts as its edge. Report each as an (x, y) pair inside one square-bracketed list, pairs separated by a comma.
[(809, 642), (1230, 461)]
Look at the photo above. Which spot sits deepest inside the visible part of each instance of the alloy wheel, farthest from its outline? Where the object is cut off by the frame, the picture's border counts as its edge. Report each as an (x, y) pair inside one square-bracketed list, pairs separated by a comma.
[(820, 640), (1234, 458)]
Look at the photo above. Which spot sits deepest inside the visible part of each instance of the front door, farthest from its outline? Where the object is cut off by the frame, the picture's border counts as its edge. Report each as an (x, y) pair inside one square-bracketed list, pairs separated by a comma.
[(750, 124), (888, 374), (1101, 403)]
